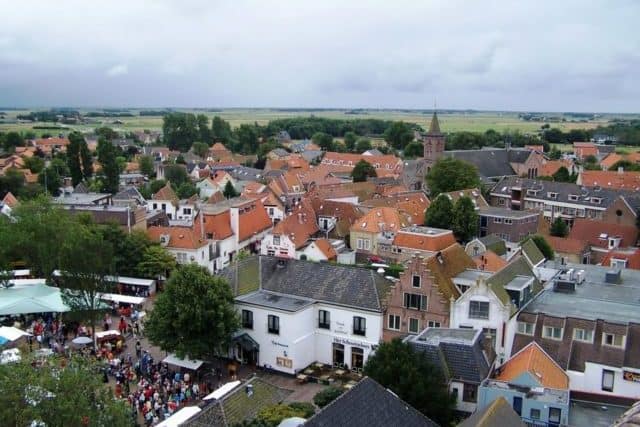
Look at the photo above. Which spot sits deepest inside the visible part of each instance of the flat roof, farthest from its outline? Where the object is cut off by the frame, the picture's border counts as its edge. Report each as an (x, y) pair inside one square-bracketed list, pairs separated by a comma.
[(435, 336), (429, 231), (507, 213), (472, 275), (81, 198), (518, 283), (274, 300), (540, 394), (594, 299)]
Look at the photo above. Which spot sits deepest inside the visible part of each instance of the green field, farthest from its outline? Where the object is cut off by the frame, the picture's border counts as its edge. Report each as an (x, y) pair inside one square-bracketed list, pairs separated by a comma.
[(449, 122)]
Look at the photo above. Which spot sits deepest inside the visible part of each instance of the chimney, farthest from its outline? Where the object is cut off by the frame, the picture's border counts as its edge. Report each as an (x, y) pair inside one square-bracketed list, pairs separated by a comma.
[(620, 169), (300, 217)]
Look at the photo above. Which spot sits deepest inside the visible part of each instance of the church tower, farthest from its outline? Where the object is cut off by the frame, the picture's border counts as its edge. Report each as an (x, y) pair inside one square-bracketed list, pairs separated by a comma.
[(433, 143)]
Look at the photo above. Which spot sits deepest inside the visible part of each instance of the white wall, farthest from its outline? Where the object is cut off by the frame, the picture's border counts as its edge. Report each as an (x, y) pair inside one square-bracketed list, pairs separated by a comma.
[(312, 253), (156, 205), (275, 213), (302, 340), (353, 200), (200, 256), (225, 247), (590, 381), (461, 405), (207, 188), (286, 248)]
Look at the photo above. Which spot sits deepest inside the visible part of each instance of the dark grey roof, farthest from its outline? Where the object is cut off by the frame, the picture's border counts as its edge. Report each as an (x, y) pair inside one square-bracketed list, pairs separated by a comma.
[(457, 352), (413, 173), (277, 301), (128, 193), (368, 404), (498, 414), (351, 286), (311, 155), (245, 173), (280, 152), (493, 162), (563, 190)]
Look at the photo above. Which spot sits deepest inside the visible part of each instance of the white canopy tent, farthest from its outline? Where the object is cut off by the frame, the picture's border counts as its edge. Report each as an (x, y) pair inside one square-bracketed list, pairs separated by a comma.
[(127, 299), (110, 332), (180, 417), (172, 359), (11, 333), (220, 392)]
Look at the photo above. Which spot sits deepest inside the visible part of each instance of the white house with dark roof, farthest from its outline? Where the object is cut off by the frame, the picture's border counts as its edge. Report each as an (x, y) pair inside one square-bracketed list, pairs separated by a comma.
[(290, 321)]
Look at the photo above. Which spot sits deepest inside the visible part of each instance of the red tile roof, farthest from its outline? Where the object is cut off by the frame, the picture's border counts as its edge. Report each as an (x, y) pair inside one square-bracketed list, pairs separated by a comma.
[(598, 232), (381, 219), (549, 167), (414, 203), (253, 219), (539, 364), (490, 261), (217, 226), (325, 247), (166, 193), (179, 237), (566, 245), (218, 147), (299, 226), (319, 175), (424, 242), (610, 160), (10, 200), (631, 256), (46, 142), (584, 149), (611, 179), (385, 162)]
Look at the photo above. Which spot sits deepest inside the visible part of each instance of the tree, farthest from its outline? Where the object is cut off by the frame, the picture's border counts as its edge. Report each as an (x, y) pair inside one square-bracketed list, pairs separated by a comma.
[(363, 145), (107, 156), (146, 165), (156, 185), (200, 149), (13, 140), (323, 140), (465, 219), (327, 395), (408, 373), (86, 160), (440, 213), (563, 175), (58, 392), (13, 181), (398, 135), (156, 263), (85, 262), (559, 228), (203, 128), (229, 191), (247, 139), (73, 157), (176, 175), (626, 165), (194, 316), (106, 133), (180, 130), (350, 139), (50, 180), (186, 190), (220, 130), (362, 171), (450, 174), (35, 164), (414, 149), (543, 245)]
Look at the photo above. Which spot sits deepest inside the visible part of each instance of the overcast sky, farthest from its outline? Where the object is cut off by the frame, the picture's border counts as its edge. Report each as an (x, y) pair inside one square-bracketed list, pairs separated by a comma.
[(508, 55)]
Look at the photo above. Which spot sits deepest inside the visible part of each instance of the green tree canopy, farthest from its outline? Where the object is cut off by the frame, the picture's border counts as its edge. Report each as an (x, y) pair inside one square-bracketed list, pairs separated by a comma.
[(220, 130), (58, 393), (414, 149), (439, 214), (186, 190), (12, 140), (50, 180), (449, 174), (363, 144), (350, 139), (180, 130), (398, 135), (543, 245), (200, 149), (362, 171), (156, 185), (146, 166), (194, 316), (559, 228), (13, 181), (176, 175), (465, 219), (156, 262), (626, 165), (408, 373), (229, 191), (555, 153), (107, 156), (35, 164), (79, 158), (323, 140)]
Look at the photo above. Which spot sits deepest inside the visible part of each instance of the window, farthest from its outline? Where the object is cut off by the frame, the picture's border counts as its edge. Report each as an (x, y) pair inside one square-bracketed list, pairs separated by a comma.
[(552, 195), (270, 211), (415, 301), (463, 288), (585, 335), (554, 416), (607, 380), (469, 393), (357, 358), (573, 197), (501, 202), (155, 206), (416, 281), (596, 200), (497, 220), (525, 328), (613, 340), (164, 207), (508, 221), (247, 319), (359, 325), (534, 414), (414, 325), (338, 355), (363, 244), (271, 252), (394, 322), (186, 211), (324, 319), (273, 324), (478, 309), (276, 240), (433, 324), (552, 332)]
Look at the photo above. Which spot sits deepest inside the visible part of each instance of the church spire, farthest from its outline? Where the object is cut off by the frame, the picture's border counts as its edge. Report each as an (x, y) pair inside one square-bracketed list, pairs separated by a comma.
[(434, 127)]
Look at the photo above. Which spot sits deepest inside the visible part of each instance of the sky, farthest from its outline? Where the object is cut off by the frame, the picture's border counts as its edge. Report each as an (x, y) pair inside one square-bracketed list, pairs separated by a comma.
[(489, 55)]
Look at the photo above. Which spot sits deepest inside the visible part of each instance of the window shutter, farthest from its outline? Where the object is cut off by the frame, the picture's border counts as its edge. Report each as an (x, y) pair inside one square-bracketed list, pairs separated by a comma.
[(406, 300), (423, 303)]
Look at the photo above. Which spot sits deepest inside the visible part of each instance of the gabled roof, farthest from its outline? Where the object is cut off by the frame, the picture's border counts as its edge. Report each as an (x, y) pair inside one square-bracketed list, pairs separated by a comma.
[(381, 219), (217, 225), (531, 251), (473, 193), (498, 414), (489, 261), (626, 180), (413, 203), (346, 213), (567, 245), (385, 162), (632, 257), (166, 193), (550, 167), (610, 160), (326, 248), (218, 147), (10, 200), (253, 219), (44, 142), (517, 267), (447, 264), (299, 226), (493, 162), (494, 243), (424, 238), (597, 232), (368, 404), (343, 285), (539, 364), (179, 237)]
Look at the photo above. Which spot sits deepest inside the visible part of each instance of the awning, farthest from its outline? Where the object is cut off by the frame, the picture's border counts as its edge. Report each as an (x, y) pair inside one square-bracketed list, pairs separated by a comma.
[(222, 391), (246, 342), (180, 417), (11, 334), (172, 359), (110, 332), (31, 299), (127, 299)]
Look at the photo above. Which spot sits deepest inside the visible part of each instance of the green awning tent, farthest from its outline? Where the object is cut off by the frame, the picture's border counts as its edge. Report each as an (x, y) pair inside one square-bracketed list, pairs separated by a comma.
[(31, 299)]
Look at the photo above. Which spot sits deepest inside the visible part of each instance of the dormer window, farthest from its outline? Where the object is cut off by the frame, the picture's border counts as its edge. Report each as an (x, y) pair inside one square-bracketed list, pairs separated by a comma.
[(532, 192), (552, 195), (596, 200), (573, 197)]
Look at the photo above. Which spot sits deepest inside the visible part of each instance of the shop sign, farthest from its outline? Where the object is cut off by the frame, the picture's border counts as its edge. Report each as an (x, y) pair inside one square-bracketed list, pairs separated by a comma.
[(631, 376), (279, 344), (347, 341)]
